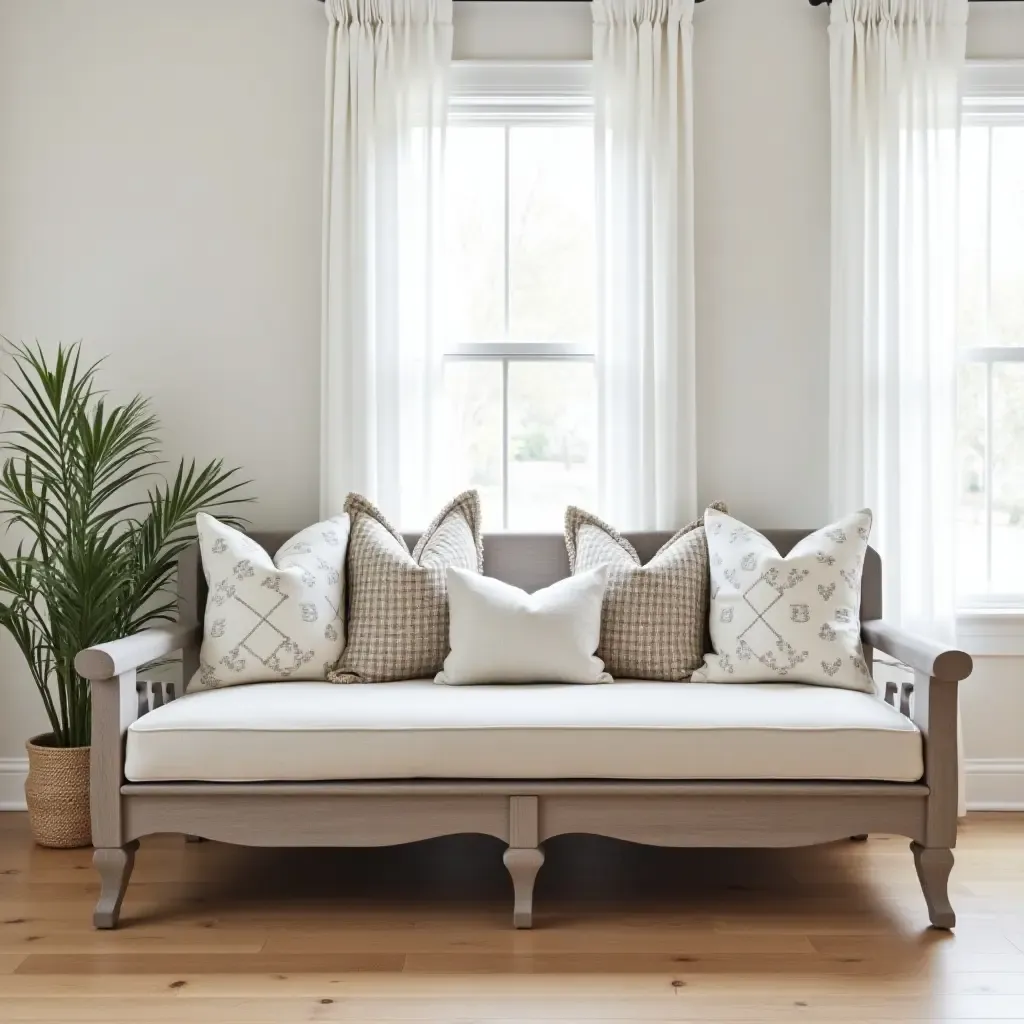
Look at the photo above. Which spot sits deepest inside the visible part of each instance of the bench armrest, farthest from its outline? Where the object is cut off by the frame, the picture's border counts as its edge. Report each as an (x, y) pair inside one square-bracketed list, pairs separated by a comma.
[(105, 661), (924, 656), (931, 701), (110, 668)]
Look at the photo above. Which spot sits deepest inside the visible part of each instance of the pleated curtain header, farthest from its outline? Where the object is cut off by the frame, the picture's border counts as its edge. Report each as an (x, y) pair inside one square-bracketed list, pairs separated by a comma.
[(899, 12), (642, 12), (389, 12)]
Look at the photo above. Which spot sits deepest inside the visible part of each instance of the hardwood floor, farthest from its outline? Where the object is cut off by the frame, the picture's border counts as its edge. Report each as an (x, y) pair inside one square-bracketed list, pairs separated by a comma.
[(213, 933)]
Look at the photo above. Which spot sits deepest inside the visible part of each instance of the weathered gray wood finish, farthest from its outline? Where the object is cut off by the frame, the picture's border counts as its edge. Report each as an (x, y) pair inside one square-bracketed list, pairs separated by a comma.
[(115, 868), (524, 857), (933, 867), (524, 814)]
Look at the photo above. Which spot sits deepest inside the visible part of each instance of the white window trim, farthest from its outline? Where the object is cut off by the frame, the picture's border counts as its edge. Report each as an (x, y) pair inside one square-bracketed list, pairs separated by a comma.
[(991, 88), (992, 625), (508, 94), (534, 91), (991, 633)]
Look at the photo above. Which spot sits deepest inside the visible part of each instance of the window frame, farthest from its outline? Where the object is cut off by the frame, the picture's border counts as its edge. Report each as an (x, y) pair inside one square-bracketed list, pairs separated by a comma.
[(510, 94), (992, 95)]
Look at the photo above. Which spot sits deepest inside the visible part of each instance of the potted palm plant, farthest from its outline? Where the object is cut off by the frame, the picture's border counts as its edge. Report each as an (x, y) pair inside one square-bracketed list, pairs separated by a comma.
[(93, 536)]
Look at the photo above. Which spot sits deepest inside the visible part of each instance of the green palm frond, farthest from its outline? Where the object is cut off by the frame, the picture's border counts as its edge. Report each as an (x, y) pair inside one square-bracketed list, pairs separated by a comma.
[(98, 528)]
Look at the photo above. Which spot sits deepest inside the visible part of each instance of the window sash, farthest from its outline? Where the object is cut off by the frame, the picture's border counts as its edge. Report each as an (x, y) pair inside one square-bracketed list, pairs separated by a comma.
[(990, 357), (519, 94), (993, 96), (510, 95), (487, 353)]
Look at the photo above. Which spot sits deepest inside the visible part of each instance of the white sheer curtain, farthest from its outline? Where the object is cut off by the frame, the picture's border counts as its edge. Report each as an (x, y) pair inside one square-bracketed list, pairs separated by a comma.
[(387, 64), (896, 69), (643, 80)]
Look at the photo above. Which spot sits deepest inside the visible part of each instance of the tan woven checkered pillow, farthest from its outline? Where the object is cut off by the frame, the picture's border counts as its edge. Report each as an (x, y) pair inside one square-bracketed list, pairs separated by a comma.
[(397, 602), (655, 617)]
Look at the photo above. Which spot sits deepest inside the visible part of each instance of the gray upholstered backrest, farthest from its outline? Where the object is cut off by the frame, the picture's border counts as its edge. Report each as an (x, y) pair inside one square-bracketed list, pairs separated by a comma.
[(529, 561)]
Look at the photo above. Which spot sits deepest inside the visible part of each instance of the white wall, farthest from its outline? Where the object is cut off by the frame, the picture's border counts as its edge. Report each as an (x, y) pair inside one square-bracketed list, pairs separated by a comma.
[(160, 190), (160, 195), (507, 30), (762, 194)]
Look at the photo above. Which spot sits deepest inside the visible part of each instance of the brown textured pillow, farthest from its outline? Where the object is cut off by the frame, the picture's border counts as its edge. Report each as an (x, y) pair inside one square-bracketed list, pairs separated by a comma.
[(397, 601), (655, 617)]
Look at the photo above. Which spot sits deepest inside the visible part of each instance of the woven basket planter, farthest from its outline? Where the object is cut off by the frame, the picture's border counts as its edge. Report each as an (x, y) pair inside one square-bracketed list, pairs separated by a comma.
[(57, 794)]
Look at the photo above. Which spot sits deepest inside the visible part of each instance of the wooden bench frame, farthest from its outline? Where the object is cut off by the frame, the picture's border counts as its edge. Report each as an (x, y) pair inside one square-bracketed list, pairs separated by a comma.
[(524, 814)]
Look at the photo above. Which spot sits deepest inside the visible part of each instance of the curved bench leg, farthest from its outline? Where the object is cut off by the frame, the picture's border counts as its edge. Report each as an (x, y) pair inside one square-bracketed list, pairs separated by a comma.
[(933, 867), (115, 868), (523, 865)]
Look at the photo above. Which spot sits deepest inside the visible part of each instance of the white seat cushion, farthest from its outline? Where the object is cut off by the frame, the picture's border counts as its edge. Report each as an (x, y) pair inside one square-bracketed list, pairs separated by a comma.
[(621, 730)]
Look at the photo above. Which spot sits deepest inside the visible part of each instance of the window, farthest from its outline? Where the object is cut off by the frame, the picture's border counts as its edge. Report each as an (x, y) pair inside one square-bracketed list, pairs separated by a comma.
[(519, 375), (990, 469)]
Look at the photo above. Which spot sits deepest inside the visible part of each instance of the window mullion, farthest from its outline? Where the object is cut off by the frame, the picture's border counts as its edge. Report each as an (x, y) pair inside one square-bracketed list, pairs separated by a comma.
[(988, 236), (508, 229), (986, 328), (989, 465), (508, 320), (504, 444)]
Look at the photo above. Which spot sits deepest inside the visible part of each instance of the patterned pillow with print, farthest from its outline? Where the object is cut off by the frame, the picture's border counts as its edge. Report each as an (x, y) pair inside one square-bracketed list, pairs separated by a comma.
[(271, 619), (787, 619)]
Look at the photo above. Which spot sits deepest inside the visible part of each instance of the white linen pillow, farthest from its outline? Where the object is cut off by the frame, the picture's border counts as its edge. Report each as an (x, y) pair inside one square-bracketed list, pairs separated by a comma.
[(501, 634), (794, 619), (269, 620)]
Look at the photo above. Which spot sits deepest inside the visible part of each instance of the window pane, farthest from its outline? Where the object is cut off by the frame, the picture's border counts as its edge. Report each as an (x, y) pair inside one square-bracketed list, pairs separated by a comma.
[(552, 442), (972, 557), (551, 234), (973, 297), (475, 233), (1006, 325), (1008, 478), (472, 451)]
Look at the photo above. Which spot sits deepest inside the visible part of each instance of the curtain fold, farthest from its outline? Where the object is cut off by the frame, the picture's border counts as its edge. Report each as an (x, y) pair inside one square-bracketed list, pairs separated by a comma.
[(386, 107), (643, 80), (896, 67)]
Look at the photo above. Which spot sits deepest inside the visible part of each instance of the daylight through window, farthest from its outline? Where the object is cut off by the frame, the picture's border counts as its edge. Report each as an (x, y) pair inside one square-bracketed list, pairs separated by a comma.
[(991, 336), (519, 376)]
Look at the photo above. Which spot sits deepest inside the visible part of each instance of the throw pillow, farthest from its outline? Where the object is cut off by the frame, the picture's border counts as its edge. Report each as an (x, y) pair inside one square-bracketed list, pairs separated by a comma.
[(398, 602), (654, 619), (501, 634), (795, 618), (269, 620)]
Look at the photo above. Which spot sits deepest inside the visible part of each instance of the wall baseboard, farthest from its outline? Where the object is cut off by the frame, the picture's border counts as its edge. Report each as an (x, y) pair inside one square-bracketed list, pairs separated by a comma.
[(12, 783), (995, 785), (992, 785)]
